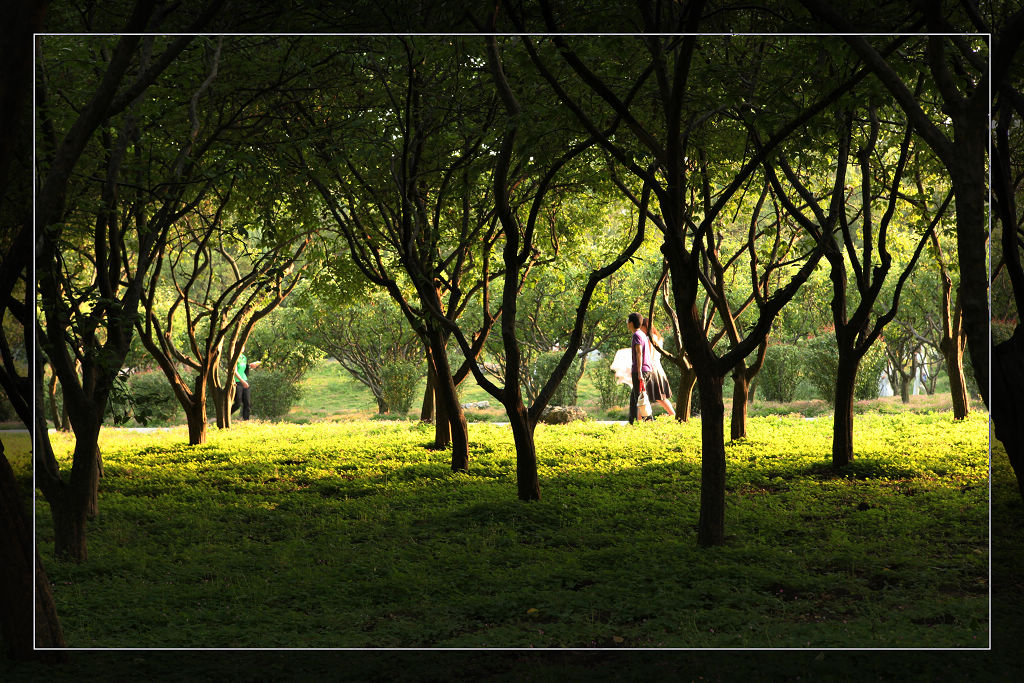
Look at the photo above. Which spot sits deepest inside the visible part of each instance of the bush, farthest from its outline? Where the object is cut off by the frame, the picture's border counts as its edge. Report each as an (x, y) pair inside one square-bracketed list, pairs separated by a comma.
[(821, 365), (611, 392), (273, 394), (565, 393), (781, 372), (6, 409), (398, 383), (153, 398)]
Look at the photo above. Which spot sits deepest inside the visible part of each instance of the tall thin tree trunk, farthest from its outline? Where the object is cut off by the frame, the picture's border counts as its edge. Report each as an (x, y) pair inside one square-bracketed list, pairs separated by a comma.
[(952, 348), (93, 506), (842, 425), (969, 179), (51, 393), (711, 523), (527, 481)]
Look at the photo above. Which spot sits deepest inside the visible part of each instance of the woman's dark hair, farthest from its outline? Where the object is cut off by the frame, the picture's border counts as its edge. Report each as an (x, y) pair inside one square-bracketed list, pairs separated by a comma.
[(635, 319)]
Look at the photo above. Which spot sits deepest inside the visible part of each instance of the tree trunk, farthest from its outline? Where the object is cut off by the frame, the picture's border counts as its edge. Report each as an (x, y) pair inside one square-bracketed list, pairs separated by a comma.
[(51, 393), (740, 391), (969, 179), (93, 505), (957, 382), (195, 414), (842, 424), (382, 405), (16, 590), (527, 481), (1007, 409), (711, 523), (65, 419), (448, 403), (905, 384), (684, 394), (427, 411), (69, 520), (222, 399)]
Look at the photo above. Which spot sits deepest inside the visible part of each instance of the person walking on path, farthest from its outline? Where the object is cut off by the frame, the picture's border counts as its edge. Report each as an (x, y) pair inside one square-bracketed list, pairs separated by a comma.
[(640, 349), (659, 391), (242, 395)]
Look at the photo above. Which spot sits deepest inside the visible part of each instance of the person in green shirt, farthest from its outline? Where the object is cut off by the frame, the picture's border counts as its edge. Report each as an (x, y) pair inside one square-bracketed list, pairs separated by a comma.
[(242, 396)]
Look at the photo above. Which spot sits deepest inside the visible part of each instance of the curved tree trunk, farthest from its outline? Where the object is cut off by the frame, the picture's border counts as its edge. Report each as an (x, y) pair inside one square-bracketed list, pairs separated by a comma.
[(684, 394), (527, 481), (51, 393), (952, 348), (711, 524), (742, 394), (842, 425), (448, 403), (16, 578)]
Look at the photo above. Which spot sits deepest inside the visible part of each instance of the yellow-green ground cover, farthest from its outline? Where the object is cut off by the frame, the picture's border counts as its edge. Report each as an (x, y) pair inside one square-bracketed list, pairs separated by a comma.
[(356, 535)]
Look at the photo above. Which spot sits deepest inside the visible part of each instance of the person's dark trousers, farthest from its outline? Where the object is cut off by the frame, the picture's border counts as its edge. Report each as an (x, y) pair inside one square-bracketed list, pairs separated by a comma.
[(634, 395), (241, 399)]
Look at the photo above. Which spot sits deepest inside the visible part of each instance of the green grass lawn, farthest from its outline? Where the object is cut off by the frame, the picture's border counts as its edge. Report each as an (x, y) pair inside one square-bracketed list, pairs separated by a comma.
[(331, 394), (354, 534)]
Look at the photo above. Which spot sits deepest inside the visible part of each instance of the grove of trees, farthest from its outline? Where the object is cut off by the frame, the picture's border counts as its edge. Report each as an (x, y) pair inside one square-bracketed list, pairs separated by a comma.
[(483, 205)]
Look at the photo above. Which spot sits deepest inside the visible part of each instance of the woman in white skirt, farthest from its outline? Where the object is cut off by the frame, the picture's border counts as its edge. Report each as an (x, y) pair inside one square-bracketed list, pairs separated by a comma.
[(658, 390)]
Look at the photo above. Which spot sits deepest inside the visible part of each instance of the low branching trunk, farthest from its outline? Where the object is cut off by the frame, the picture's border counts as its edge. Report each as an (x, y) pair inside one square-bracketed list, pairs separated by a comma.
[(842, 426), (527, 480), (711, 523)]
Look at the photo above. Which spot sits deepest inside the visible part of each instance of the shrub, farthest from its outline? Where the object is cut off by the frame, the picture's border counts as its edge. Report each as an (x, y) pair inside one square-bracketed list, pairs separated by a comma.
[(399, 380), (153, 398), (273, 394), (565, 393), (781, 372), (821, 365), (611, 392)]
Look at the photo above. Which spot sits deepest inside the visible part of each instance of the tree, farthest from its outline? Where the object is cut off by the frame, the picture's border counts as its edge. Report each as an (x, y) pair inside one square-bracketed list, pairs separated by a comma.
[(518, 144), (958, 68), (859, 243), (364, 337), (89, 320), (222, 280), (1007, 174), (401, 168), (666, 137)]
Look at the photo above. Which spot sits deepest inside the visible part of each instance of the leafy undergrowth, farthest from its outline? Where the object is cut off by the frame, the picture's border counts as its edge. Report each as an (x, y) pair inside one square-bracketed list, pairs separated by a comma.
[(357, 535)]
